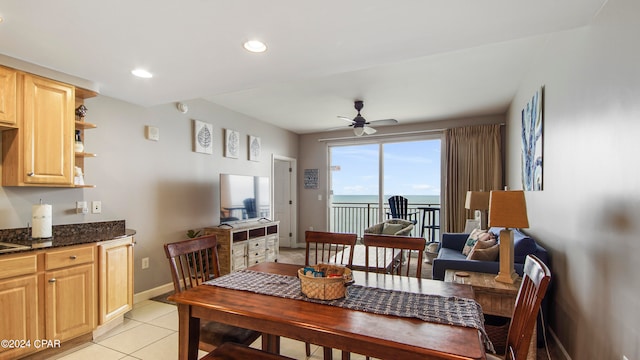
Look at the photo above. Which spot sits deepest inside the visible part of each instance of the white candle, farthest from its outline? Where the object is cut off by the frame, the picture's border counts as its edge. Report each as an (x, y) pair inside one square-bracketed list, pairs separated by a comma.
[(41, 221)]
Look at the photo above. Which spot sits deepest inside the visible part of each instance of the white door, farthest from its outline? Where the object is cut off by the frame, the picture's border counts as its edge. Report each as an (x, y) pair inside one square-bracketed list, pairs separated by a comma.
[(284, 199)]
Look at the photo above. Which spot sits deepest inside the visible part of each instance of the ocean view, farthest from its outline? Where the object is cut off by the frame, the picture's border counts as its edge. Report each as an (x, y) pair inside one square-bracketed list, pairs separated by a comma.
[(364, 199)]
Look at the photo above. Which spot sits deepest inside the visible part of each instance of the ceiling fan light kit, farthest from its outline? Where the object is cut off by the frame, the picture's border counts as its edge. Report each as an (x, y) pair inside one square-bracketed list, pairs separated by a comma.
[(360, 124)]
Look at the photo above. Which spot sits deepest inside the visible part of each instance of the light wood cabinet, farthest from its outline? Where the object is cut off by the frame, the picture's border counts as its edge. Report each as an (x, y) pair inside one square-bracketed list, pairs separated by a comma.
[(19, 299), (115, 279), (70, 292), (63, 293), (37, 118), (40, 151), (8, 99), (245, 244)]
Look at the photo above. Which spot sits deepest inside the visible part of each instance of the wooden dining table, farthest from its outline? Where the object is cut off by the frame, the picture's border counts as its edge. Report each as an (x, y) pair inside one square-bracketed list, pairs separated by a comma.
[(379, 336)]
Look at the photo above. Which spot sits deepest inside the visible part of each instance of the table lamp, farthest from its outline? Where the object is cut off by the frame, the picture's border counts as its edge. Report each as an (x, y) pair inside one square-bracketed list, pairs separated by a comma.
[(507, 209), (478, 201)]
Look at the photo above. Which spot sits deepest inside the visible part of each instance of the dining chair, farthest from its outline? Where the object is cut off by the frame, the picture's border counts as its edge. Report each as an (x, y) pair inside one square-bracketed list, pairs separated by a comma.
[(399, 209), (399, 248), (532, 290), (193, 262), (325, 247)]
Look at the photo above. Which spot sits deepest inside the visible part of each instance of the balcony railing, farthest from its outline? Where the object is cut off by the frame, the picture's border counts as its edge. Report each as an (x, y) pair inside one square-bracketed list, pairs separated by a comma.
[(355, 217)]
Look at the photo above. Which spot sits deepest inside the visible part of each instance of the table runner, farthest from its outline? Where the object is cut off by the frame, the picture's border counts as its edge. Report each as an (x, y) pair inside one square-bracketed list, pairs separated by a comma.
[(432, 308)]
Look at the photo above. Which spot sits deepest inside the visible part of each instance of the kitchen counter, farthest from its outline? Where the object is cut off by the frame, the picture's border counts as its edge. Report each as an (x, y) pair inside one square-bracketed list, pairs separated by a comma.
[(64, 235)]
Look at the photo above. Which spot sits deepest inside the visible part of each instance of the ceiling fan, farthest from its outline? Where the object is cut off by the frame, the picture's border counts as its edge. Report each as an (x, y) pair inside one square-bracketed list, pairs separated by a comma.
[(361, 125)]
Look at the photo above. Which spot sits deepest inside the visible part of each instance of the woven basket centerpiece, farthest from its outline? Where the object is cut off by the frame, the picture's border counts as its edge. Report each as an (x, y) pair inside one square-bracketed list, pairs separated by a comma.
[(325, 281)]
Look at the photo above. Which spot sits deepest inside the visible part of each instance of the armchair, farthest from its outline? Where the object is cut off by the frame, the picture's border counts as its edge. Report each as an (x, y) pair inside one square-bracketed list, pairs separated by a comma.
[(396, 227)]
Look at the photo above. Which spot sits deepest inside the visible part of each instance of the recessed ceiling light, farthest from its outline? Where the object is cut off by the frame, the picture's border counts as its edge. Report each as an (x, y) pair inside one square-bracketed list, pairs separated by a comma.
[(255, 46), (142, 73)]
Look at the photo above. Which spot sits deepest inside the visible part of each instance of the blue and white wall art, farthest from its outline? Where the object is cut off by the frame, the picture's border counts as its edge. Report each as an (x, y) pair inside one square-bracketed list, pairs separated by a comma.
[(532, 131)]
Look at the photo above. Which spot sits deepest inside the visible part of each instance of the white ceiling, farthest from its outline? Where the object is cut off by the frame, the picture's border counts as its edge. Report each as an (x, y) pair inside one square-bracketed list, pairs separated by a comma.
[(412, 60)]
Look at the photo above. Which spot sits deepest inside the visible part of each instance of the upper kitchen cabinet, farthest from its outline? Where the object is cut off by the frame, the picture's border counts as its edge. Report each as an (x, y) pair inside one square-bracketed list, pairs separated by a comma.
[(39, 151), (8, 100)]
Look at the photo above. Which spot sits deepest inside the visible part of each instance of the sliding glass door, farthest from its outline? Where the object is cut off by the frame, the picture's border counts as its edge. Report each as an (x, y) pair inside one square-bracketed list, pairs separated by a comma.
[(363, 177)]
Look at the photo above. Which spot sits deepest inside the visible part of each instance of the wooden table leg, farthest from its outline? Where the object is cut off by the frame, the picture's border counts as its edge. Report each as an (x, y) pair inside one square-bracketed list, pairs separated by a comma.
[(271, 343), (188, 334)]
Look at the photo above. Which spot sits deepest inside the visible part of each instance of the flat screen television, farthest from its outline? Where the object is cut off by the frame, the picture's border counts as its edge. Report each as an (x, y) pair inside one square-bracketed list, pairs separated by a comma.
[(244, 198)]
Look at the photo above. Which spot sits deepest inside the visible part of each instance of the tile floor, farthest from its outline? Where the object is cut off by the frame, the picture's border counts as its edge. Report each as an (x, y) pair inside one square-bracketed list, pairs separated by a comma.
[(150, 331)]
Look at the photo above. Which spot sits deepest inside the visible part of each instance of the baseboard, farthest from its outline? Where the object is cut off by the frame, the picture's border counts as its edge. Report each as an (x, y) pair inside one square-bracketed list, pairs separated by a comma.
[(559, 344), (151, 293)]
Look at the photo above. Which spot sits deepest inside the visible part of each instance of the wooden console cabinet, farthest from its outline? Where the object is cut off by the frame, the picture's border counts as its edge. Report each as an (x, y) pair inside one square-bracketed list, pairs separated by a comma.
[(245, 244)]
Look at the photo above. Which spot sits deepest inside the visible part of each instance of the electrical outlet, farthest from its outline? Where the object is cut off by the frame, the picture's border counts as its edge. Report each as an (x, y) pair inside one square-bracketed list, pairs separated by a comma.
[(81, 207), (96, 207), (145, 263)]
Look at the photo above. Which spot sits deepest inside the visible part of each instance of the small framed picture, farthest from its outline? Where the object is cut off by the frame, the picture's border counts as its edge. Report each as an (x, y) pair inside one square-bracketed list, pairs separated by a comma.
[(254, 148), (232, 143), (202, 137)]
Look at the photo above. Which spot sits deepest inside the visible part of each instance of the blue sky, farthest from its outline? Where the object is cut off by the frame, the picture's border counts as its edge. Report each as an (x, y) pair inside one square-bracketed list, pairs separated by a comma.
[(410, 168)]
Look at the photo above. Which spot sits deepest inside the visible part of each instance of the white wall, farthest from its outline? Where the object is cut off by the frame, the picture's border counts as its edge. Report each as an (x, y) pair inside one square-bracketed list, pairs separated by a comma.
[(161, 189), (587, 215)]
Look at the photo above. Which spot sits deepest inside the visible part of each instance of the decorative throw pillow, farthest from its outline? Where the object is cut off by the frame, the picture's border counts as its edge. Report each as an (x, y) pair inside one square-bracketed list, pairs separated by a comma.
[(391, 229), (488, 254), (481, 244), (472, 239)]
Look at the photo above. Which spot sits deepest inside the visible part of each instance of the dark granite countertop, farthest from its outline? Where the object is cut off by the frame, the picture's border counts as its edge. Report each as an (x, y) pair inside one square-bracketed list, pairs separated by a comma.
[(65, 235)]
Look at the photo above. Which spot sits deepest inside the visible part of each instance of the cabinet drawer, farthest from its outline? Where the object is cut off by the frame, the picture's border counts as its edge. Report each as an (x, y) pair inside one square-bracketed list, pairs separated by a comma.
[(69, 257), (256, 260), (257, 245), (18, 265), (256, 253)]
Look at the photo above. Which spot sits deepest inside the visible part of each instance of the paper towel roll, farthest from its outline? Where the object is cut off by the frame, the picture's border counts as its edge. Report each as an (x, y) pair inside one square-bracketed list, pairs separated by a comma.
[(41, 221)]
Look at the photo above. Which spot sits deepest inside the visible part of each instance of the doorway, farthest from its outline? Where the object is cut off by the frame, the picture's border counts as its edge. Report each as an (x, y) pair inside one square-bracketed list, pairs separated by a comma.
[(284, 198)]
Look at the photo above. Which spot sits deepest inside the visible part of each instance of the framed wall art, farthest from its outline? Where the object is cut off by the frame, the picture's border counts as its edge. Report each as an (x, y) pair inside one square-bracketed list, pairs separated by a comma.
[(254, 148), (532, 136), (202, 137), (231, 143)]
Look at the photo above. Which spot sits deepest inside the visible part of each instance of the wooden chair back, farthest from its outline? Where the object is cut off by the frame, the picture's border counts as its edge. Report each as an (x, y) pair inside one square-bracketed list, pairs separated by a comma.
[(193, 261), (325, 247), (400, 248), (328, 247), (532, 290)]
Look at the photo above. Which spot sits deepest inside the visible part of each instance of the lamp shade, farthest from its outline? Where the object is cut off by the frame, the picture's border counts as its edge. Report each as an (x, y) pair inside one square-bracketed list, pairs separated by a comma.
[(477, 200), (359, 131), (508, 209)]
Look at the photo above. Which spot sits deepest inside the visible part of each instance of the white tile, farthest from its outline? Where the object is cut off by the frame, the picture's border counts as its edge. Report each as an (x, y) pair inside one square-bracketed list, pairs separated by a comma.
[(168, 321), (150, 311), (296, 349), (127, 324), (136, 338), (165, 348), (94, 352)]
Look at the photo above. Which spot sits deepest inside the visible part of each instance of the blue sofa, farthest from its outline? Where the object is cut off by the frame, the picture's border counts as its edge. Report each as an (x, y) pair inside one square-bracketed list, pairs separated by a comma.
[(450, 254)]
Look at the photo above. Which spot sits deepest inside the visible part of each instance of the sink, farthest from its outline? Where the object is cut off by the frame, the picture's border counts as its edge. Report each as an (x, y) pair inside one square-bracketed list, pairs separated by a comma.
[(6, 247)]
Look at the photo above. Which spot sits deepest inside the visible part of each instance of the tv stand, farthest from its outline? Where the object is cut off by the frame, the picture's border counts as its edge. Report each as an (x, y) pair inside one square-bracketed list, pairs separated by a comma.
[(246, 244)]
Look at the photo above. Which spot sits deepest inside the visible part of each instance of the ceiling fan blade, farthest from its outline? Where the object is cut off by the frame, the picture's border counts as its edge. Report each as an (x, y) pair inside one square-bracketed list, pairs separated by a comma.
[(369, 130), (345, 118), (337, 128), (384, 122)]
